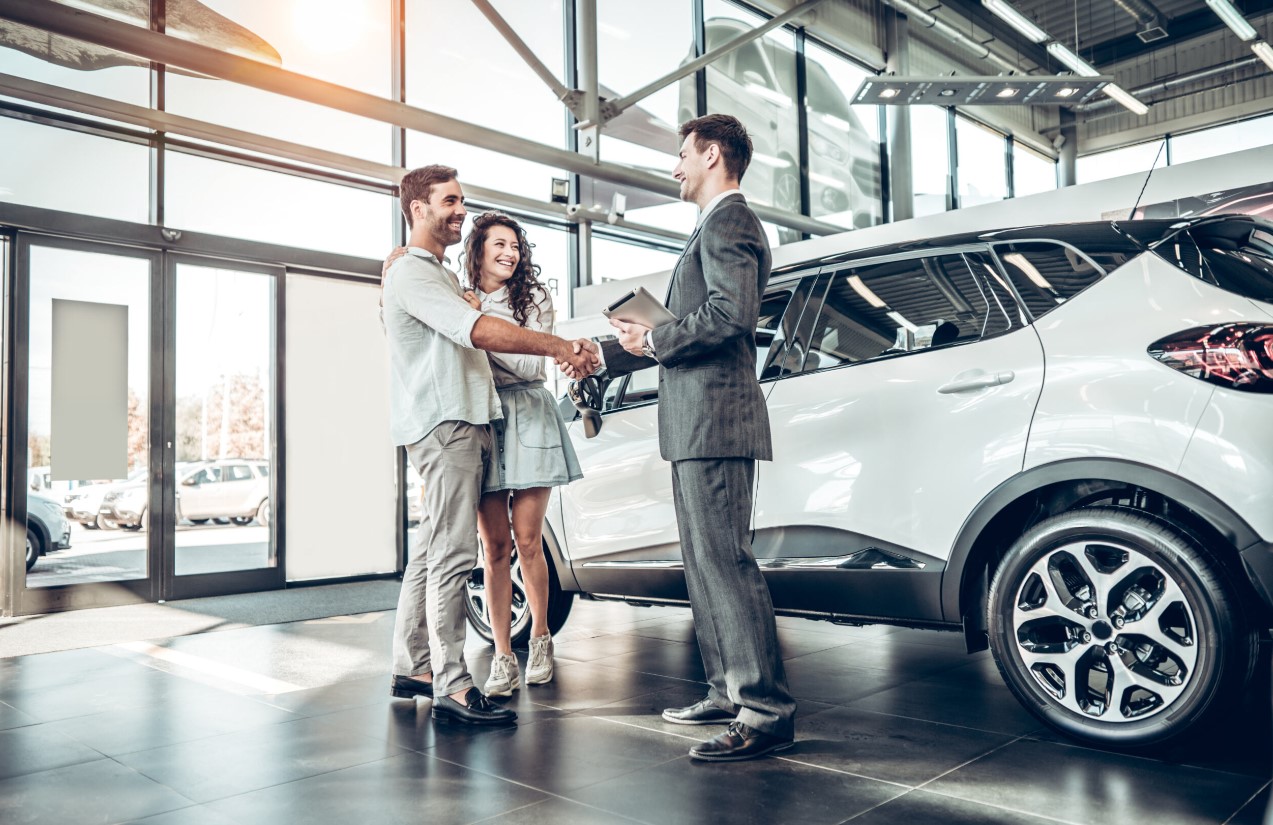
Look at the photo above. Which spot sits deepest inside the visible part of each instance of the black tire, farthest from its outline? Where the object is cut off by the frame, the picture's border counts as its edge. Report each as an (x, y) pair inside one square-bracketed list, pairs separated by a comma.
[(1129, 608), (199, 520), (104, 523), (559, 603), (35, 547), (263, 514), (242, 521)]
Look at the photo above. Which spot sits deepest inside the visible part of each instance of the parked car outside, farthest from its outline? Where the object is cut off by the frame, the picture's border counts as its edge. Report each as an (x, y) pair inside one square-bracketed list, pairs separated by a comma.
[(47, 527), (1053, 440), (234, 489), (84, 504)]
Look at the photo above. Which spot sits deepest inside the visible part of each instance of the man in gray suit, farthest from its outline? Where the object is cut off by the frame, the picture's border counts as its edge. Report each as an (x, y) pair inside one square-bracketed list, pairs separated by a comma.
[(713, 426)]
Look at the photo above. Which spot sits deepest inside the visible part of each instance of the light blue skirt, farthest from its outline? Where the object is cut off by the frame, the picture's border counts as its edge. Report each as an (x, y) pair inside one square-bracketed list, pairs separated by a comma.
[(531, 446)]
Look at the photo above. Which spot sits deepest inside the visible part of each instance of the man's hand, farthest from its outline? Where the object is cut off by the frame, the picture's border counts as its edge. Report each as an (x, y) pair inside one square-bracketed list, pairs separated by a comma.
[(631, 336), (582, 360)]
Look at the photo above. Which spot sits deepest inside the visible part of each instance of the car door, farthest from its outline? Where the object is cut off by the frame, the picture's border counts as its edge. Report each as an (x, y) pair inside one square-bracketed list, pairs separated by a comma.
[(619, 520), (904, 403), (198, 493), (238, 485)]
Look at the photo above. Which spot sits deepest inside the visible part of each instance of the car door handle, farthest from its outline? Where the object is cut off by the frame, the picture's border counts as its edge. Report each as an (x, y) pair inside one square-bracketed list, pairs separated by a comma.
[(976, 380)]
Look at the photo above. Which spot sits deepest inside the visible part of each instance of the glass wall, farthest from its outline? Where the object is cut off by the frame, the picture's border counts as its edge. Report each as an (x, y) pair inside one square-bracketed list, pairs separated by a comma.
[(1222, 140), (930, 159), (1126, 161), (844, 143), (74, 172), (242, 202), (982, 154), (1031, 172), (756, 83), (344, 43), (632, 50)]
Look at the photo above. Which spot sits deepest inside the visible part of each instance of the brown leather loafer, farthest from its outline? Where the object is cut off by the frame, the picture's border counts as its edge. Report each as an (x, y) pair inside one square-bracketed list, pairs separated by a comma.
[(740, 742), (407, 687), (702, 712)]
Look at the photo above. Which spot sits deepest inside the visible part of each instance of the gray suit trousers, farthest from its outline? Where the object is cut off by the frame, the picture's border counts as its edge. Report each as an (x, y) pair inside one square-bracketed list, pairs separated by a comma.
[(428, 633), (733, 612)]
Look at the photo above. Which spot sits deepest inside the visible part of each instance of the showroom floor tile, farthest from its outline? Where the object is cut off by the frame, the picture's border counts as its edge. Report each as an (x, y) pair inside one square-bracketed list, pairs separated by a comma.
[(294, 723)]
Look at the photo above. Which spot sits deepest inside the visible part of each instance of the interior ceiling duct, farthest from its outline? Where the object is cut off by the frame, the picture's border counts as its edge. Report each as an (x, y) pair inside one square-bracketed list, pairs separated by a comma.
[(1151, 20), (929, 21)]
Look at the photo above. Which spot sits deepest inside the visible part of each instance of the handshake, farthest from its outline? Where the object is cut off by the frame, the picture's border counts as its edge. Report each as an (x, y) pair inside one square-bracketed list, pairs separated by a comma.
[(579, 358)]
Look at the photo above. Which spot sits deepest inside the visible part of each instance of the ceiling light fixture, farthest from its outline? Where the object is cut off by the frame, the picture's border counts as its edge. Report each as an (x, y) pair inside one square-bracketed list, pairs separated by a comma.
[(1263, 51), (888, 93), (1082, 67), (1066, 92), (1125, 98), (1233, 19), (1071, 60), (1017, 20), (1006, 93)]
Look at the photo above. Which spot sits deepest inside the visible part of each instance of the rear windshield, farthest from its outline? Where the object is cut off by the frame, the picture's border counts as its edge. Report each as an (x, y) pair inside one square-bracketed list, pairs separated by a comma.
[(1235, 254)]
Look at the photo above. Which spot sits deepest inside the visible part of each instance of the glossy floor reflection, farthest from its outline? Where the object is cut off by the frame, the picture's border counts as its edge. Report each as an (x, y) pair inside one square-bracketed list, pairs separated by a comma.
[(293, 723)]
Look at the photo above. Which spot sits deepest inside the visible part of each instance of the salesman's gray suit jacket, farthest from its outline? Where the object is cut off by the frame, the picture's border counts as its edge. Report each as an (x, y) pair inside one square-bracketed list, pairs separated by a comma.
[(710, 403)]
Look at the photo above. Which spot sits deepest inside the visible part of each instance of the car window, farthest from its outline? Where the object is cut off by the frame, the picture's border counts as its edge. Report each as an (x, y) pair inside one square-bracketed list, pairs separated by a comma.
[(897, 308), (262, 470), (238, 472), (207, 475), (1006, 313), (773, 329), (642, 386), (1047, 274)]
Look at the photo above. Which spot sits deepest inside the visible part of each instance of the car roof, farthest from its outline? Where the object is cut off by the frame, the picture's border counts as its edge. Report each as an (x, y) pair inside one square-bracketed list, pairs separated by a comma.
[(1145, 233)]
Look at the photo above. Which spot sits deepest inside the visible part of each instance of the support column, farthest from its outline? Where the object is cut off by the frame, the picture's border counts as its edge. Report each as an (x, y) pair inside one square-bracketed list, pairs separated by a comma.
[(1067, 170), (901, 184)]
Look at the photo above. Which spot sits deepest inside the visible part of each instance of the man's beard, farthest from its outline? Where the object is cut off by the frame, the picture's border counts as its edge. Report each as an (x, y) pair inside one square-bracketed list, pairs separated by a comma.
[(444, 234)]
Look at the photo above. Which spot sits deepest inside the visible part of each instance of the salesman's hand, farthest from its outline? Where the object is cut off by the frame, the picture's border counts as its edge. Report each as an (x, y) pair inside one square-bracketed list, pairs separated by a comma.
[(582, 360), (631, 336)]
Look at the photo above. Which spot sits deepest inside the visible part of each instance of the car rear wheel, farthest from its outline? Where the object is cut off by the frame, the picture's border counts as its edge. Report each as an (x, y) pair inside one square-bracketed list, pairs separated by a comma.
[(1117, 627), (141, 522), (477, 608), (199, 521), (263, 513), (104, 523), (35, 547), (242, 521)]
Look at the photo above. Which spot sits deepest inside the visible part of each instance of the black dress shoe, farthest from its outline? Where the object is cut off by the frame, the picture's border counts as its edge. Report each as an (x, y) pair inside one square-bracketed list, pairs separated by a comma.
[(703, 712), (406, 687), (476, 709), (738, 743)]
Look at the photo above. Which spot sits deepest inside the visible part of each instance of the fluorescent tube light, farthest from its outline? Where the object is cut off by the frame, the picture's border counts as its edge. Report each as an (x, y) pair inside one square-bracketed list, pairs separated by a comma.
[(1121, 95), (1075, 63), (866, 293), (1263, 51), (1016, 20), (1232, 18)]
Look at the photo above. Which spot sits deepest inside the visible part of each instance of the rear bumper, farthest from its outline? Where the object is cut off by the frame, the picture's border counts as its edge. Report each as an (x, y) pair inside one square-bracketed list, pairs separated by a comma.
[(1258, 560)]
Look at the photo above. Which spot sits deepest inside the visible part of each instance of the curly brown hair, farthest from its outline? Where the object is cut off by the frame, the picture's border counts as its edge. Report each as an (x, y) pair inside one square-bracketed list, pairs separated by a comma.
[(525, 282)]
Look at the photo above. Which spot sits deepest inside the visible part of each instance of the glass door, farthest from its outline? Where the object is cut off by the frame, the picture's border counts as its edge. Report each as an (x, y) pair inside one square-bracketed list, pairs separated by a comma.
[(224, 413), (142, 426), (84, 376)]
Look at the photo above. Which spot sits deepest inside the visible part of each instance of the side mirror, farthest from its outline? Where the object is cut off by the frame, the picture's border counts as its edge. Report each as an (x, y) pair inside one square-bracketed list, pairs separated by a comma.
[(585, 394), (189, 482)]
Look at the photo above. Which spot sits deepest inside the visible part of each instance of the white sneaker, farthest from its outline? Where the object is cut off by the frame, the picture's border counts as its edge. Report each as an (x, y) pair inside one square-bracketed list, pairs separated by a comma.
[(504, 678), (539, 668)]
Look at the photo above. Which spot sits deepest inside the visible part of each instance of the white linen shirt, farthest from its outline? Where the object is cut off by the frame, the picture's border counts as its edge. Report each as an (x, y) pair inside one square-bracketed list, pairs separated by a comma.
[(435, 373), (508, 368)]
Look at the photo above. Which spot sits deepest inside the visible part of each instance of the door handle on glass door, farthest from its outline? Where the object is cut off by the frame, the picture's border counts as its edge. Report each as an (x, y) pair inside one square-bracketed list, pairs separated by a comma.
[(976, 380)]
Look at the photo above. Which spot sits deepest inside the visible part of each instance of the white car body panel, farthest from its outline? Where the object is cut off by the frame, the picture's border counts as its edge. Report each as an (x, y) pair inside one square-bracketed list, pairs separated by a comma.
[(1104, 395), (623, 504), (875, 449)]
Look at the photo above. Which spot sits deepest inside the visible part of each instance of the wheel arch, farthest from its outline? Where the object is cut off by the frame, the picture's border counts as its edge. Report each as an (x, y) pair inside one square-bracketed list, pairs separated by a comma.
[(1027, 498), (42, 535)]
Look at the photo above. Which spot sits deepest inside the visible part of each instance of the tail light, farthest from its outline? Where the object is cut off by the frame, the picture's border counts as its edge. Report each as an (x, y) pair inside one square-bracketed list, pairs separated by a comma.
[(1237, 356)]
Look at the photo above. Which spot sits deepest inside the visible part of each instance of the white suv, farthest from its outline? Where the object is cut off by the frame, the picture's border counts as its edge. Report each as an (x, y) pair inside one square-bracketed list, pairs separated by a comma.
[(1054, 439)]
